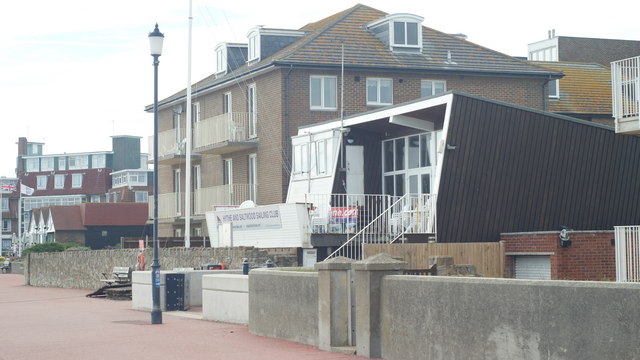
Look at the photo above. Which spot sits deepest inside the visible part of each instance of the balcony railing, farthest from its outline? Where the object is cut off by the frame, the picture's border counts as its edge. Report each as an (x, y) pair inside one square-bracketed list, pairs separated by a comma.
[(169, 144), (225, 195), (625, 81), (222, 133), (409, 214), (171, 205)]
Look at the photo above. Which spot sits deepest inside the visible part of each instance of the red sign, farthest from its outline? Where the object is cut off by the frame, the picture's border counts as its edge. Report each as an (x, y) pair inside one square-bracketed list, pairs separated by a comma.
[(344, 214)]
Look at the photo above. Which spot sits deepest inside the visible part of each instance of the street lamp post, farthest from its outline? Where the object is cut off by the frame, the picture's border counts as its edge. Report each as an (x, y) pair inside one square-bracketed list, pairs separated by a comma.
[(155, 41)]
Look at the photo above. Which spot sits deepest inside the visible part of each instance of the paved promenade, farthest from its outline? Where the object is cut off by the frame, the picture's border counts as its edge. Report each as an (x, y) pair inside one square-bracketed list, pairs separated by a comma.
[(54, 323)]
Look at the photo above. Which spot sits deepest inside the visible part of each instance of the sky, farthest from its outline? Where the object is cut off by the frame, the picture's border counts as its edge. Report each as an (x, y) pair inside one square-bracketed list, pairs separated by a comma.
[(75, 72)]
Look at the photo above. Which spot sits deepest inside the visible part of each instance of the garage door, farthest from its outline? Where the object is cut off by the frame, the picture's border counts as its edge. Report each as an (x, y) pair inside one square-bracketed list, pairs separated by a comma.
[(533, 267)]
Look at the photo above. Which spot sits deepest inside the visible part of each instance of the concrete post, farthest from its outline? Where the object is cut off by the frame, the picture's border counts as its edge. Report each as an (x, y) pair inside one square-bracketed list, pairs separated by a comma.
[(333, 302), (369, 274)]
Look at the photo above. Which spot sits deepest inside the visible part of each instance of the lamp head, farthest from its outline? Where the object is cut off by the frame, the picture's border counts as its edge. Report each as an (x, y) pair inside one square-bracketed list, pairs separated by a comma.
[(155, 41)]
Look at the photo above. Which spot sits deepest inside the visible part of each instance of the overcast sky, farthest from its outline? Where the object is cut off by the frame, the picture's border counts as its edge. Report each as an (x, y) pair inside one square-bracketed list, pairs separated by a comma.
[(73, 73)]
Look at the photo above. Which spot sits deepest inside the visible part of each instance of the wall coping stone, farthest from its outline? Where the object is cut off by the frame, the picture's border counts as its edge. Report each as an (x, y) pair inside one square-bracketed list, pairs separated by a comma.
[(380, 261), (558, 232), (337, 263)]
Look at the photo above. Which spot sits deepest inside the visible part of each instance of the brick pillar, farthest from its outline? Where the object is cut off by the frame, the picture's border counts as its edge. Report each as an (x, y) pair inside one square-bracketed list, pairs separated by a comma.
[(334, 305), (369, 274)]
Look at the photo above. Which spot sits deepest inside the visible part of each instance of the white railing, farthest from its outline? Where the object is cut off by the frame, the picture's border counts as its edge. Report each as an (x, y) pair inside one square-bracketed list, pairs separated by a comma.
[(627, 253), (170, 205), (206, 198), (221, 128), (169, 144), (409, 214), (625, 82)]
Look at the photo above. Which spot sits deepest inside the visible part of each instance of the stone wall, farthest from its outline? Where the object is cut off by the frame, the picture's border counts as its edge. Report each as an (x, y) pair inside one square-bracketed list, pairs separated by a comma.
[(284, 305), (83, 269), (432, 317)]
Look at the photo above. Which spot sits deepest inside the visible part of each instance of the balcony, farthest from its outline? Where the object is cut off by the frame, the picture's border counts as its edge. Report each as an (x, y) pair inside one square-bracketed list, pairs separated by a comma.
[(172, 205), (625, 81), (223, 134), (172, 147)]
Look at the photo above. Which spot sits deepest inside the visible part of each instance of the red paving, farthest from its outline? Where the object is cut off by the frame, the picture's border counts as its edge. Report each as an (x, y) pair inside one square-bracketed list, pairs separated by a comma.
[(54, 323)]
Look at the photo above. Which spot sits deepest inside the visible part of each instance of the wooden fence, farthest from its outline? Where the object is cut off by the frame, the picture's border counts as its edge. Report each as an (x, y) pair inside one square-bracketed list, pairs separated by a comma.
[(488, 258)]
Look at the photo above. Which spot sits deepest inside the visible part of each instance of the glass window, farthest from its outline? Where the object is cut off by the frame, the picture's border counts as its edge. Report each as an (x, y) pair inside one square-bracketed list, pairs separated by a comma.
[(388, 156), (47, 164), (62, 163), (323, 92), (78, 162), (321, 156), (405, 33), (98, 161), (196, 112), (399, 154), (432, 87), (142, 196), (221, 61), (32, 165), (254, 47), (379, 91), (253, 177), (42, 182), (6, 225), (425, 154), (554, 91), (95, 198), (252, 106), (414, 152), (59, 181), (76, 181), (227, 172), (5, 204)]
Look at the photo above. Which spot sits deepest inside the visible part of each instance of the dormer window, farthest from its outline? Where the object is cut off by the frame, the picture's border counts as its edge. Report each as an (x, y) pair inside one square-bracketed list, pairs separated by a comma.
[(405, 33), (401, 32), (254, 44), (221, 59)]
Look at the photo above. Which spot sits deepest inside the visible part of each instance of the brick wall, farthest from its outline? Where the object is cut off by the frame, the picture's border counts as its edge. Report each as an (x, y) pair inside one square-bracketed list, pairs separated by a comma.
[(589, 257)]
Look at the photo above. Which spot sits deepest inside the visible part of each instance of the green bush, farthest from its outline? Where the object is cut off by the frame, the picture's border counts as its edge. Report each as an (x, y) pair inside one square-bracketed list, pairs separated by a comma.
[(45, 247), (77, 247)]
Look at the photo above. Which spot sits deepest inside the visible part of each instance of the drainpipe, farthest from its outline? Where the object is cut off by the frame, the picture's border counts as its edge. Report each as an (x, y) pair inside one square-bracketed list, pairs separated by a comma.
[(545, 96), (286, 136)]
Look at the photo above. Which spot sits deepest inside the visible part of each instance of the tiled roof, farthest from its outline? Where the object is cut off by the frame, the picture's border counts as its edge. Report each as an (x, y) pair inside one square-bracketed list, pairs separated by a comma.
[(66, 218), (584, 89), (94, 181), (114, 214), (322, 45)]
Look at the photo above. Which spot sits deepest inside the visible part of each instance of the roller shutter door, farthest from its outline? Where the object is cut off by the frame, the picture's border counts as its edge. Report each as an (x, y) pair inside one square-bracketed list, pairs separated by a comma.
[(533, 267)]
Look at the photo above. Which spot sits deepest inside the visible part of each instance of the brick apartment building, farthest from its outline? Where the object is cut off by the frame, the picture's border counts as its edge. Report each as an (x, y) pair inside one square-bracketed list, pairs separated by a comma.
[(261, 92)]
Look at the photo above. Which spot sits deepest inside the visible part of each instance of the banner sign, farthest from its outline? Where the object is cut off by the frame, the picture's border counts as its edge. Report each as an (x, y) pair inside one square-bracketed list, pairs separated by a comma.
[(342, 215), (258, 218)]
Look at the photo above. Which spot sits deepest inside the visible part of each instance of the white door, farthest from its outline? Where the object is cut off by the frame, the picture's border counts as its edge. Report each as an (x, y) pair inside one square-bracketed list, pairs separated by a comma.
[(355, 171), (534, 267)]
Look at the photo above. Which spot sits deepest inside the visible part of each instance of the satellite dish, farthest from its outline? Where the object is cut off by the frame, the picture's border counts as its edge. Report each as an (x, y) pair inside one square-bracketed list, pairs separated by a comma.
[(247, 204)]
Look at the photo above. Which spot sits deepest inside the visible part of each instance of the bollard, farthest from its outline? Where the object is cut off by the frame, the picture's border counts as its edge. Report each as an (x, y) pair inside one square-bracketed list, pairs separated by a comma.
[(245, 266), (270, 263)]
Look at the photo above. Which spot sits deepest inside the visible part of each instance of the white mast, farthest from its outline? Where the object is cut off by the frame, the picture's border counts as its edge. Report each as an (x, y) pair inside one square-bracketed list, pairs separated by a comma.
[(187, 201)]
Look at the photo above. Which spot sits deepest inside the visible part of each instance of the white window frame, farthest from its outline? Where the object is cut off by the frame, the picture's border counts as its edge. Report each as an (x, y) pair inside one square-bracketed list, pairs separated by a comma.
[(221, 59), (98, 161), (58, 181), (227, 103), (76, 181), (252, 176), (141, 196), (227, 172), (62, 163), (323, 87), (95, 198), (7, 227), (4, 206), (254, 45), (554, 84), (177, 189), (433, 87), (252, 109), (41, 182), (47, 164), (78, 162), (32, 165), (196, 112), (301, 158), (378, 82), (405, 22)]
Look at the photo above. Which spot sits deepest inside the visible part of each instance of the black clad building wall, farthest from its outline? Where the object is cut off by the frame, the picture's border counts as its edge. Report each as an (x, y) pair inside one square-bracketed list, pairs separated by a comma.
[(515, 169)]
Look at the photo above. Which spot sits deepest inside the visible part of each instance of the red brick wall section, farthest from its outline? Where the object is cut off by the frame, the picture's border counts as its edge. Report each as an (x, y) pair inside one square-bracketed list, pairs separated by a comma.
[(589, 257)]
